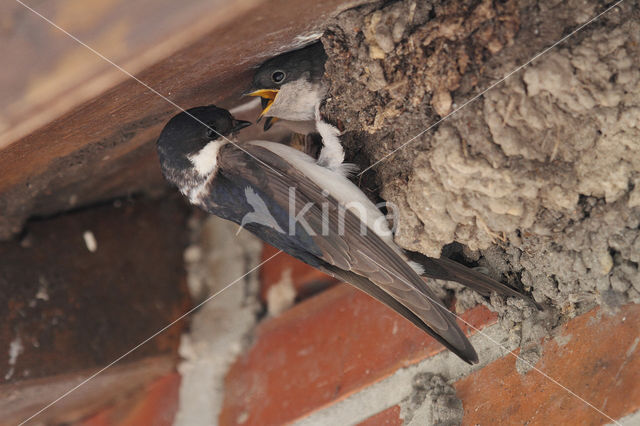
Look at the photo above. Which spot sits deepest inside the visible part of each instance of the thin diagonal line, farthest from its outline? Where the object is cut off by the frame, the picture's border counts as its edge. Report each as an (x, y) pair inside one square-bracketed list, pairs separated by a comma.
[(85, 381), (143, 83), (476, 97), (270, 258), (438, 303)]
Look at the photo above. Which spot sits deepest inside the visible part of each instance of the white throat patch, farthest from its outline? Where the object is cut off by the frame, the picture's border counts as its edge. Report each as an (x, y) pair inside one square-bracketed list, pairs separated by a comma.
[(296, 101), (332, 154), (205, 161)]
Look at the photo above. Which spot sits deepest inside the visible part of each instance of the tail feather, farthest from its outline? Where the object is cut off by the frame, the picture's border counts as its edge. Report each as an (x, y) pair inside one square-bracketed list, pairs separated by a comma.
[(447, 269)]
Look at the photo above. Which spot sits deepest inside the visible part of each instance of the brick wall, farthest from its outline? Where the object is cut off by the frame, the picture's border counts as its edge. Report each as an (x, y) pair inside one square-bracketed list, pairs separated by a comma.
[(336, 356), (79, 290), (341, 357)]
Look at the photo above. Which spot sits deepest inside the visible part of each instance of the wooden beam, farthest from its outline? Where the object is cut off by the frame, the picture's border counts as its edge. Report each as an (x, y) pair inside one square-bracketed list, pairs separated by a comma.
[(96, 126)]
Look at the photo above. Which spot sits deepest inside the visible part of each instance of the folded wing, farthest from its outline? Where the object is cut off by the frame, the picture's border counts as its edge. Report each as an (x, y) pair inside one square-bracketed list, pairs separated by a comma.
[(341, 248)]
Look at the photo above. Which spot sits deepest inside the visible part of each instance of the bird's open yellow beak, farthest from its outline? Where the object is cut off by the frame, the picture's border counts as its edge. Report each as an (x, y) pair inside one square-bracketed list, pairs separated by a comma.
[(269, 95), (269, 122)]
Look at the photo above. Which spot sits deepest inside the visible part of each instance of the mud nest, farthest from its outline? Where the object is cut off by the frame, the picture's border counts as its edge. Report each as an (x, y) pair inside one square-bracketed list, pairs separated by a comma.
[(538, 178)]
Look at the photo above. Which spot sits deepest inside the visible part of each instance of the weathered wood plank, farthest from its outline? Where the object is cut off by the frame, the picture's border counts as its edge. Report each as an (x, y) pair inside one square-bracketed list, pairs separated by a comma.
[(107, 139), (51, 73)]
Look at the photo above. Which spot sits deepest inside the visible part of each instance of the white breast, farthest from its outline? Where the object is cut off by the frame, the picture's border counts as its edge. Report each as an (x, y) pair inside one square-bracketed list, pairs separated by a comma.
[(297, 101), (205, 161)]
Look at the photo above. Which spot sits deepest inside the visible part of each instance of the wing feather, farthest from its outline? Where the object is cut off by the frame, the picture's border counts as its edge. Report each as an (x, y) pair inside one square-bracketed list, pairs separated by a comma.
[(363, 259)]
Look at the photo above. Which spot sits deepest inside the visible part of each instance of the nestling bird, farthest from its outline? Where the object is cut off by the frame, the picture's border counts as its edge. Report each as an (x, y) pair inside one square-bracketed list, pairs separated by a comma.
[(291, 85), (291, 89), (308, 211)]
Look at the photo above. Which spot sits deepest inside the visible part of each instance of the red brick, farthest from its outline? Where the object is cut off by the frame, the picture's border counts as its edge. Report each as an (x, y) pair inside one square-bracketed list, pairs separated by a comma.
[(159, 405), (388, 417), (321, 351), (120, 386), (306, 279), (155, 405), (102, 418), (600, 363)]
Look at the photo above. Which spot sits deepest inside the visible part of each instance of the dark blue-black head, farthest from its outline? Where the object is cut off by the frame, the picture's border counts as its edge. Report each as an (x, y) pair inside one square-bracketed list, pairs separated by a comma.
[(187, 134)]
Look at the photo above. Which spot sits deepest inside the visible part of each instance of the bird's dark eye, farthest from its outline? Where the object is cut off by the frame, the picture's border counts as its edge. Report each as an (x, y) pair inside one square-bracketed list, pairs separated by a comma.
[(278, 76), (212, 134)]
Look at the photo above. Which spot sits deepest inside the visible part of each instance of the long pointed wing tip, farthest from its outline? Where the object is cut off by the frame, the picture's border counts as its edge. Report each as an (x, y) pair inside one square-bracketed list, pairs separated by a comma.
[(472, 359), (467, 354)]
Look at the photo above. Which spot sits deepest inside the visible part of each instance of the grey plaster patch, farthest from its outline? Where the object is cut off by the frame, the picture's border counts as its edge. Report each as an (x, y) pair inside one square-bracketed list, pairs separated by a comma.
[(563, 339), (222, 327), (630, 420), (281, 295)]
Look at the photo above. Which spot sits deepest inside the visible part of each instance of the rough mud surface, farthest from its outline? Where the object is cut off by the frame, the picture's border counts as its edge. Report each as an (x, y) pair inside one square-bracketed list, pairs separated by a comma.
[(433, 402), (539, 178)]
